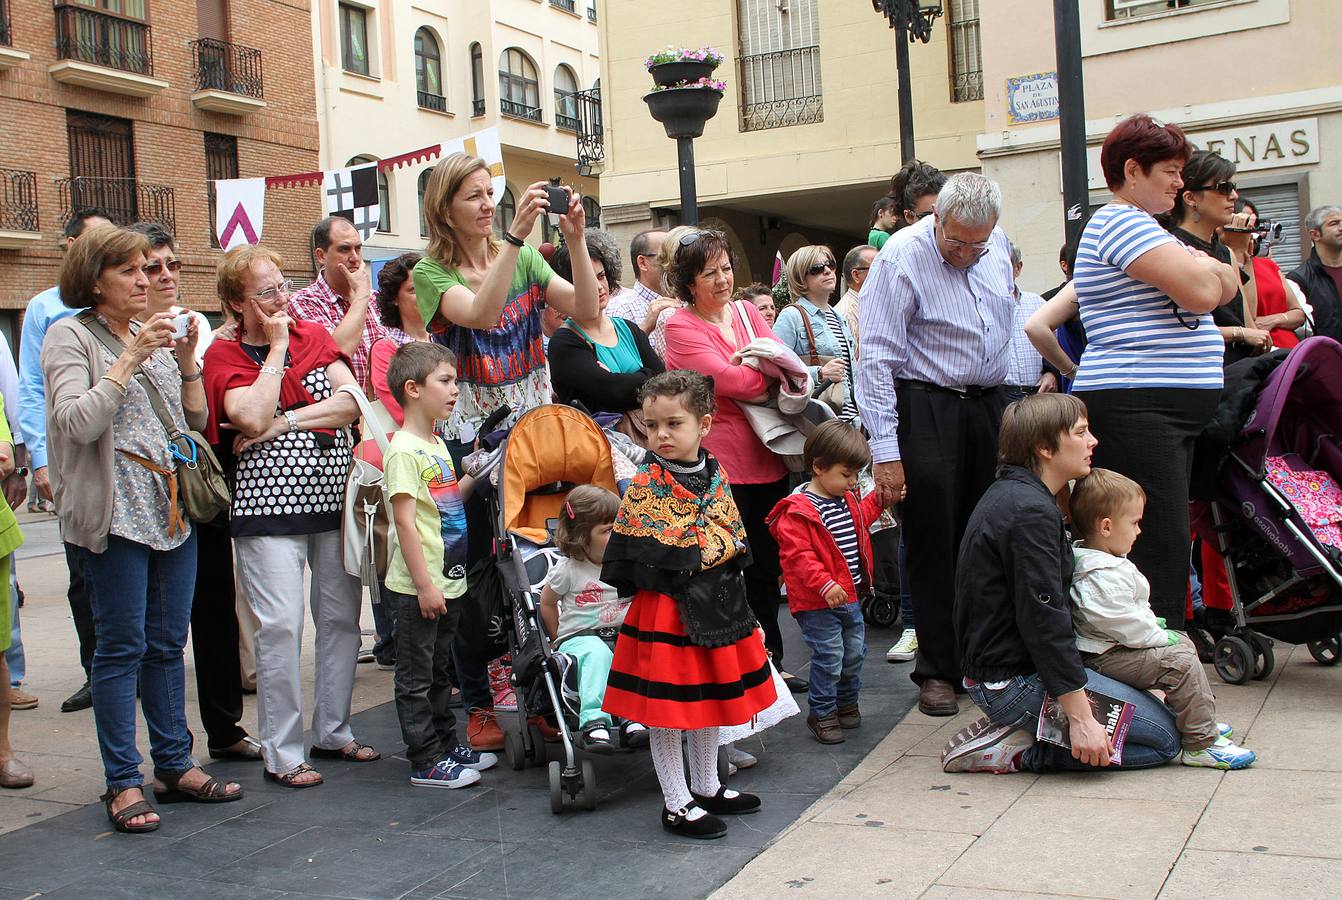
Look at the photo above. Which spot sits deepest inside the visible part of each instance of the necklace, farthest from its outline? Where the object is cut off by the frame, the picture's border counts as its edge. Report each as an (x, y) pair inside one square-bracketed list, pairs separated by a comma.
[(679, 468)]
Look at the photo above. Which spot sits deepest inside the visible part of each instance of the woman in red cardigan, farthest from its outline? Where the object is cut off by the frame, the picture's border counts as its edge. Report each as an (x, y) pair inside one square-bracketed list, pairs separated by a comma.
[(705, 337)]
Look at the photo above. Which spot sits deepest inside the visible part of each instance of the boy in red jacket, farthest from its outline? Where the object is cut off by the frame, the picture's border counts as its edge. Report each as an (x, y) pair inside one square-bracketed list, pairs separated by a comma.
[(825, 549)]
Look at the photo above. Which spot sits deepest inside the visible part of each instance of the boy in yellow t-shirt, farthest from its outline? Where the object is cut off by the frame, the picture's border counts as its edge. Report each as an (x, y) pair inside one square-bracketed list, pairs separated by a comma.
[(426, 571)]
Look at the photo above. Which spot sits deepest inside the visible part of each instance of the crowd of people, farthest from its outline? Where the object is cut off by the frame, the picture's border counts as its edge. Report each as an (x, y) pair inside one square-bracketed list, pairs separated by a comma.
[(1012, 470)]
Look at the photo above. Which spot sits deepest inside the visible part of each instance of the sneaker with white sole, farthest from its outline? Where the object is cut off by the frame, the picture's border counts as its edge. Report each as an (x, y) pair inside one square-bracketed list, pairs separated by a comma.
[(985, 746), (905, 649), (1224, 730), (469, 758), (1220, 755), (444, 774), (740, 758)]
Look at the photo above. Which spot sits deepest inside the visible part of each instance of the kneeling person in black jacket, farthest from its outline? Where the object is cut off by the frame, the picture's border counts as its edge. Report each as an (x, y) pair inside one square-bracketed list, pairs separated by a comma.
[(1012, 614)]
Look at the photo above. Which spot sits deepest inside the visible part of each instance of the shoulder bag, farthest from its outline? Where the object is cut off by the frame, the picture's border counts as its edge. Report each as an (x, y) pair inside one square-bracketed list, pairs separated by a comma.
[(832, 394), (199, 477), (365, 522)]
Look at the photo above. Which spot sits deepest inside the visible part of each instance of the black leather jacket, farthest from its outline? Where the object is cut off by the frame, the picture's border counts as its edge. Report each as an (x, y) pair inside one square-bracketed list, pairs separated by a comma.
[(1321, 292)]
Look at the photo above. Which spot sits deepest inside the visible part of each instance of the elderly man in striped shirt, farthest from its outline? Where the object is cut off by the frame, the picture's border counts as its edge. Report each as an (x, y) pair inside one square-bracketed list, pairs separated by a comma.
[(935, 342)]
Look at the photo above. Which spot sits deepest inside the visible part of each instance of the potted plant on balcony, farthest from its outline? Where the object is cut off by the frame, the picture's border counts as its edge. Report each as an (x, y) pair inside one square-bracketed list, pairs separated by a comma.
[(674, 65), (684, 107)]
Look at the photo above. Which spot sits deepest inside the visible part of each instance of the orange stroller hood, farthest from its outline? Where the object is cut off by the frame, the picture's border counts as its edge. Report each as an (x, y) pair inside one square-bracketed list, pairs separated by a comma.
[(550, 444)]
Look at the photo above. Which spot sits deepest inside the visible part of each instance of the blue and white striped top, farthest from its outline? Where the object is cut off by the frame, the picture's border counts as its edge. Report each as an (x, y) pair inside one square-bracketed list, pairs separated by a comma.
[(1136, 337)]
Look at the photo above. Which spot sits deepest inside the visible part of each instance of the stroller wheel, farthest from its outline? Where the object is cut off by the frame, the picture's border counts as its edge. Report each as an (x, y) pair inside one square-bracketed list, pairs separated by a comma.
[(1234, 660), (881, 612), (516, 753), (1264, 660), (588, 785), (1328, 651), (556, 788)]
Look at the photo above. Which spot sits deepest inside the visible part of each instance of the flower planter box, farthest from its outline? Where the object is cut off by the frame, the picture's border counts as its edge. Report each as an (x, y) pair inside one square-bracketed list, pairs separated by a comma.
[(683, 111), (669, 73)]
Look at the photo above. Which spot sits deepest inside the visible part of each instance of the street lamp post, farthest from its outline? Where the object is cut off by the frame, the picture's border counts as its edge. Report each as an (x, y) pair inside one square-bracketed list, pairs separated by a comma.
[(911, 21), (1072, 124), (685, 98)]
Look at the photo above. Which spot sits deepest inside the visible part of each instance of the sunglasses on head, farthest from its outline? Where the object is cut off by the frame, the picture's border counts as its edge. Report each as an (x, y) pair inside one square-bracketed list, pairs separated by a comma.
[(154, 268), (818, 268), (1225, 188), (688, 239)]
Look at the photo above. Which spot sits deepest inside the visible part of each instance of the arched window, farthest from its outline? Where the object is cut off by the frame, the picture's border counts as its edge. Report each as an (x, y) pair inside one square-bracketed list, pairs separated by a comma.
[(383, 194), (566, 104), (422, 187), (503, 215), (592, 210), (519, 86), (429, 71), (477, 81)]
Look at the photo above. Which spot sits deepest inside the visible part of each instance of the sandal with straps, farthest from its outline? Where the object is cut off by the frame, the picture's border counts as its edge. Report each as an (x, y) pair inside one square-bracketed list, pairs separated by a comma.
[(348, 753), (212, 791), (121, 819), (287, 779)]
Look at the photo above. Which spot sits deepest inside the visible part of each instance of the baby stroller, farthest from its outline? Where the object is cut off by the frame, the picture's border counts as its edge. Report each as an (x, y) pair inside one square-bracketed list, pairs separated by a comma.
[(550, 450), (1277, 517)]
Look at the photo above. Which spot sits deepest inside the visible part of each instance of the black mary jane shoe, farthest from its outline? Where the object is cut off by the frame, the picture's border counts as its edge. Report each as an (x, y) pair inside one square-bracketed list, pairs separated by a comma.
[(722, 805), (594, 743), (706, 827)]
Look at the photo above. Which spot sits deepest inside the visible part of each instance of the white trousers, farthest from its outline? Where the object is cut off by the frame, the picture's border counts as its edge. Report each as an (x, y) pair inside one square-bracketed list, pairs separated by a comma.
[(270, 569)]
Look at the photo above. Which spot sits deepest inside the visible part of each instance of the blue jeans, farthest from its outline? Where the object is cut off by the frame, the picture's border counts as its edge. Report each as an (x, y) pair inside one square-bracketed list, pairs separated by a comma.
[(18, 664), (1153, 739), (837, 638), (141, 609)]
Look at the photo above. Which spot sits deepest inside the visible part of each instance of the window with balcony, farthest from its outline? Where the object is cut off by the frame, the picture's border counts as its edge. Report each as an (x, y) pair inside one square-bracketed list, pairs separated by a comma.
[(519, 86), (591, 10), (354, 39), (111, 33), (383, 193), (591, 137), (504, 213), (966, 50), (429, 71), (779, 64), (102, 173), (221, 163), (477, 81), (1133, 9), (565, 5), (566, 102), (18, 204), (232, 68)]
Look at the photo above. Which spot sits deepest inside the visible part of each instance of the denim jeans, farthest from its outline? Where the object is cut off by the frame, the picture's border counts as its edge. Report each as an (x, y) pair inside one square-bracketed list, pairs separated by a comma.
[(422, 680), (837, 638), (141, 608), (1153, 739), (18, 664)]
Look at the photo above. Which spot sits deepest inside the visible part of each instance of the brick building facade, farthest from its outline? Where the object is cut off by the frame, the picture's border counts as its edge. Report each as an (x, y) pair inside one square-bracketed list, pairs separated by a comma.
[(133, 105)]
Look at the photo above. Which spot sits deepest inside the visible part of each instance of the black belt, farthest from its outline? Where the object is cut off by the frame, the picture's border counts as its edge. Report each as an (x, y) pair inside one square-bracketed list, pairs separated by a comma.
[(1022, 388), (963, 391)]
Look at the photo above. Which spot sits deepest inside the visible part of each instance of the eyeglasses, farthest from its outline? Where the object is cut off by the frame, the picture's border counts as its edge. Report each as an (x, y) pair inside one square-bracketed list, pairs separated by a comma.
[(285, 287), (979, 247), (1225, 188), (821, 267), (155, 268), (924, 214)]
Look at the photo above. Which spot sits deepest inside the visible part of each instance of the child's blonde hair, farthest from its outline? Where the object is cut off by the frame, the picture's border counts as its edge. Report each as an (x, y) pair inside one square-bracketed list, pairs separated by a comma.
[(1101, 495), (587, 506)]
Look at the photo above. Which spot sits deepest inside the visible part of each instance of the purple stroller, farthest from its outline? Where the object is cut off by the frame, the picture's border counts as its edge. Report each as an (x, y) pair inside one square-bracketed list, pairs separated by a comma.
[(1285, 573)]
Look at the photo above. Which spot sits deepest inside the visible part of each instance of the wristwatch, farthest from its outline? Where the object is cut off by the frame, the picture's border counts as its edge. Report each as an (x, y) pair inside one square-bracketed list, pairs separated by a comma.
[(21, 472), (292, 420)]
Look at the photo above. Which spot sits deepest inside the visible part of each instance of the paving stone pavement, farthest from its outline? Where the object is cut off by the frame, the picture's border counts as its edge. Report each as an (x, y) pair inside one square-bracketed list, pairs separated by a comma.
[(367, 833)]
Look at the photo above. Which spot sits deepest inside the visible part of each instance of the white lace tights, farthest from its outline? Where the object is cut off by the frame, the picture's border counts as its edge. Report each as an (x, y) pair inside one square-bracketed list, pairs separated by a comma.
[(702, 750)]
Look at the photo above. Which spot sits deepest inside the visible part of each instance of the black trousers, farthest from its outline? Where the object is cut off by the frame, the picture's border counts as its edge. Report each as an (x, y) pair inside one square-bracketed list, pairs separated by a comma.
[(423, 678), (755, 501), (214, 637), (1147, 434), (949, 448), (81, 609)]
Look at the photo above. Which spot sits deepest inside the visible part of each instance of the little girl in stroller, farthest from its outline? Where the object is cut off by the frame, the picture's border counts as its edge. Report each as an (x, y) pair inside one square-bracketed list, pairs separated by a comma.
[(582, 614)]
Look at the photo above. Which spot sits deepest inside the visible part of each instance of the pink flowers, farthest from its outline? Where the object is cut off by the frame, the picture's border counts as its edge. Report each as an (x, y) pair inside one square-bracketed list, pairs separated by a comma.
[(673, 54), (710, 83)]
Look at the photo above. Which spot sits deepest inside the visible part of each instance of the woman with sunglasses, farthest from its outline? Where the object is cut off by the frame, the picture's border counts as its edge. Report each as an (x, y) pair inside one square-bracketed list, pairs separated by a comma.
[(1151, 372), (1202, 210), (163, 268), (812, 328), (914, 190)]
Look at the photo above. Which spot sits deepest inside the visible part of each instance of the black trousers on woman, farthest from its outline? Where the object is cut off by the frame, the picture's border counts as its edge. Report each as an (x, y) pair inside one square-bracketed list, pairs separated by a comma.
[(1147, 434), (214, 637), (755, 501)]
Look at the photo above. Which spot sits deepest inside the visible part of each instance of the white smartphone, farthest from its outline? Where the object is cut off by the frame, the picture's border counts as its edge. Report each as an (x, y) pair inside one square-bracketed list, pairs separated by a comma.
[(179, 325)]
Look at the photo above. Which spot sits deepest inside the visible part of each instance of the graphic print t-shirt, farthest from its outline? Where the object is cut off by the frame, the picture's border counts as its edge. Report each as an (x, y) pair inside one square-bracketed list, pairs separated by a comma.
[(424, 470), (585, 601)]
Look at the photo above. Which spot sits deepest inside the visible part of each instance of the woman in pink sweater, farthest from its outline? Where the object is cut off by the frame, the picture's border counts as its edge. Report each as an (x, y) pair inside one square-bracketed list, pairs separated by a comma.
[(704, 337)]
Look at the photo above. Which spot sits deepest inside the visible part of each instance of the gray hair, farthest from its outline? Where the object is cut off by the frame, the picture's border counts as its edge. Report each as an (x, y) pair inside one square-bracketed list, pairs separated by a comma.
[(851, 259), (602, 243), (970, 199), (1016, 257), (157, 234), (1314, 221)]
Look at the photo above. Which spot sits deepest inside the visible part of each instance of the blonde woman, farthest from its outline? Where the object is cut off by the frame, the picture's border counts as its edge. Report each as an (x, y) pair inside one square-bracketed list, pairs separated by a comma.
[(811, 325)]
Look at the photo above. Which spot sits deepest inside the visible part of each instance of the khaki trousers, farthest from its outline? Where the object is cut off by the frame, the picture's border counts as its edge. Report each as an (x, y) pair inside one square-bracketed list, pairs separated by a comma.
[(1175, 670)]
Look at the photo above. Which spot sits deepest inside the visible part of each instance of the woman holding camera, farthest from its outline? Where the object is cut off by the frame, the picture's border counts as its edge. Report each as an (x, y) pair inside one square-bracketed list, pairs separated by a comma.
[(1278, 311)]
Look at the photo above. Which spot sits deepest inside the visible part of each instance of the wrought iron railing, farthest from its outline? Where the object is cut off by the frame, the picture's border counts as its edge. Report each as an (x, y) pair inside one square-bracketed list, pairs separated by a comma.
[(104, 39), (591, 13), (127, 200), (18, 200), (966, 86), (966, 53), (478, 107), (591, 133), (520, 110), (221, 66), (430, 100), (781, 88), (566, 111), (566, 5), (6, 39)]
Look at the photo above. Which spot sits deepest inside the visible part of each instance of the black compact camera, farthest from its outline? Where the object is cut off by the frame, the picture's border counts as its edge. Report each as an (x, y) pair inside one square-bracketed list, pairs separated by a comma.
[(557, 196)]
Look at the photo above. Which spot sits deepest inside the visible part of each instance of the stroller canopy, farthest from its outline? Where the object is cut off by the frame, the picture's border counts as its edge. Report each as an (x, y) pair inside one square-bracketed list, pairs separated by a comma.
[(1301, 403), (551, 446)]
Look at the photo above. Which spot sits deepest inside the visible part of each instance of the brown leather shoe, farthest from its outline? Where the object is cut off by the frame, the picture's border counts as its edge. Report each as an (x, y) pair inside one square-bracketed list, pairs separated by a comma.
[(14, 774), (826, 730), (937, 698), (849, 716)]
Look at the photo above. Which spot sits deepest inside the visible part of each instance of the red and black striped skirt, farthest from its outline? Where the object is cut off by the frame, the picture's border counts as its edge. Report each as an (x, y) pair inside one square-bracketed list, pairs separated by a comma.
[(660, 679)]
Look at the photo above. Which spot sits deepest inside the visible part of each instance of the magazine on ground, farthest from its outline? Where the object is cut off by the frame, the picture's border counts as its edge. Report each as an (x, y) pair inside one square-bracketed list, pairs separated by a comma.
[(1114, 714)]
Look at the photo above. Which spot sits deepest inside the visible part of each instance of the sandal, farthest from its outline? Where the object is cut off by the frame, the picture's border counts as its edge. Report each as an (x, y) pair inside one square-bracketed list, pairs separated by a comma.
[(349, 753), (212, 791), (287, 779), (121, 820), (250, 752)]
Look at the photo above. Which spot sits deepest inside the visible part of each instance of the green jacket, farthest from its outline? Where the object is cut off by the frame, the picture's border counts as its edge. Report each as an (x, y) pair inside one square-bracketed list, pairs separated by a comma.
[(10, 535)]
